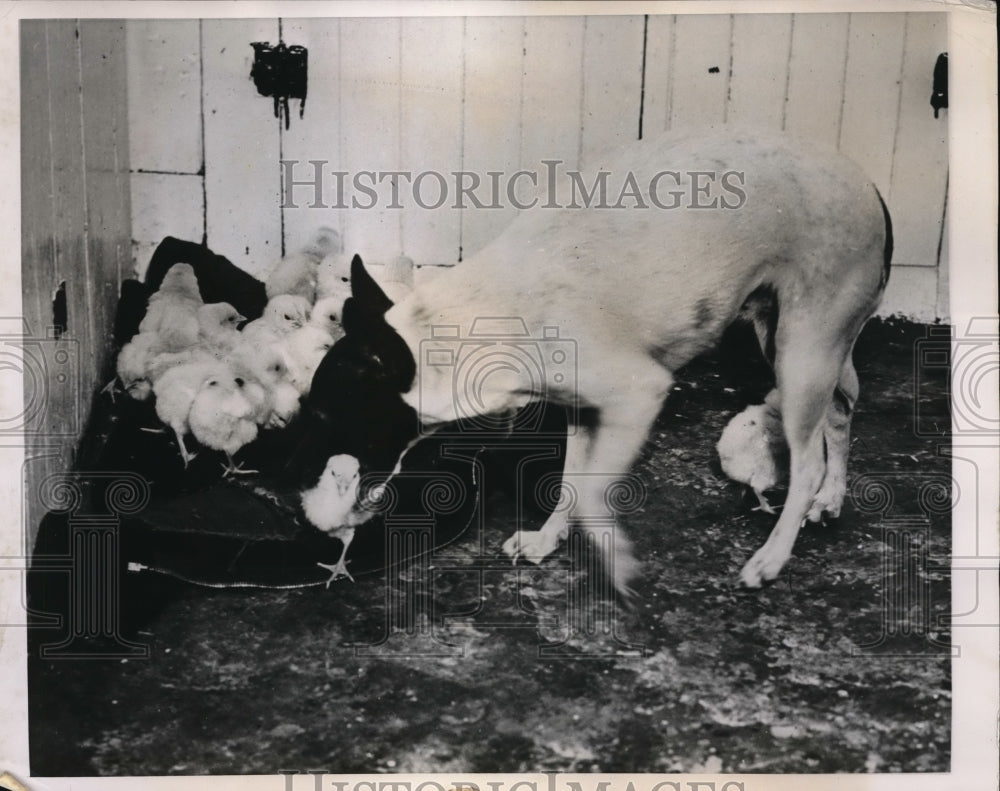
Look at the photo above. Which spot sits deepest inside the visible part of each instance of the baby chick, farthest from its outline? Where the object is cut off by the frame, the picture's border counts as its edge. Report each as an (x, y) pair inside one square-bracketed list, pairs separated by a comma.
[(222, 417), (133, 363), (333, 277), (395, 278), (297, 273), (752, 450), (172, 323), (327, 314), (330, 507), (218, 324), (175, 392), (217, 337), (266, 368), (303, 350), (283, 314), (172, 313)]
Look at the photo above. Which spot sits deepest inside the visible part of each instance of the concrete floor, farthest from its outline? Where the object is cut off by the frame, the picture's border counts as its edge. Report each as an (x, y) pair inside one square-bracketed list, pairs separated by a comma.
[(461, 662)]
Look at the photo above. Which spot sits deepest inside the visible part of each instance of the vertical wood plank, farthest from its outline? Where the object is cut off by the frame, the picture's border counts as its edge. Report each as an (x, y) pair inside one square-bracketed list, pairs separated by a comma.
[(492, 121), (164, 205), (242, 177), (816, 78), (106, 149), (912, 292), (431, 136), (70, 204), (164, 95), (660, 34), (370, 98), (48, 433), (944, 272), (701, 70), (552, 93), (612, 84), (758, 86), (317, 135), (37, 240), (871, 93), (37, 246), (920, 163)]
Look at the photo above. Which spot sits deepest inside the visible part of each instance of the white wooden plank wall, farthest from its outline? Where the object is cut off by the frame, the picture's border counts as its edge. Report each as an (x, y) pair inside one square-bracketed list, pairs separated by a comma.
[(499, 94), (166, 130), (242, 180), (75, 233)]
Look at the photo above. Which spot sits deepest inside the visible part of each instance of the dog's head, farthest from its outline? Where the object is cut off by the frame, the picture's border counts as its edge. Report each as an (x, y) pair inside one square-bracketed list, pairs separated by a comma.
[(355, 403)]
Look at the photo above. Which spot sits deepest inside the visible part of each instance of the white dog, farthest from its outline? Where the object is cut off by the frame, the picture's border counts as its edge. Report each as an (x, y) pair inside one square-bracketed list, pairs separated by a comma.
[(709, 228)]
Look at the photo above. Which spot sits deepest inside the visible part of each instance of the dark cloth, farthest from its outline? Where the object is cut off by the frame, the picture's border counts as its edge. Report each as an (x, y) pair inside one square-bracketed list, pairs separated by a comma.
[(219, 280)]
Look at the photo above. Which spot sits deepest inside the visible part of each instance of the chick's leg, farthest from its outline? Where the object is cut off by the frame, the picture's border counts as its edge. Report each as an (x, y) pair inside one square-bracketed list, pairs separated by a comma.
[(234, 468), (764, 506), (110, 388), (339, 569), (186, 455)]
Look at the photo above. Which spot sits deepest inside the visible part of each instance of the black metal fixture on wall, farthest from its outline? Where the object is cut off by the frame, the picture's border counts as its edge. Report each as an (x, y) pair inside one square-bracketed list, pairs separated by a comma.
[(281, 73), (939, 95)]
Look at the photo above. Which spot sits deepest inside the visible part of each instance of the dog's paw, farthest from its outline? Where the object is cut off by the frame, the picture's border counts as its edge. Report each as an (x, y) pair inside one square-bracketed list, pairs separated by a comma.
[(533, 545), (763, 567), (828, 501)]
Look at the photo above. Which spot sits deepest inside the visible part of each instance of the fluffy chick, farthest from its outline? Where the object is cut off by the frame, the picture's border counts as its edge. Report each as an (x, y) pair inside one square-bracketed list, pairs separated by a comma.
[(217, 337), (266, 367), (222, 417), (327, 315), (172, 312), (303, 351), (395, 278), (297, 273), (218, 326), (330, 507), (753, 451), (283, 314), (333, 277), (175, 392), (149, 354), (172, 324), (132, 365)]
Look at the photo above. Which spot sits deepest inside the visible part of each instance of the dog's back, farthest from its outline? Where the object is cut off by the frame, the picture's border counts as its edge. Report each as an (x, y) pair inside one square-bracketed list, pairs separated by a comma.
[(691, 232), (718, 217)]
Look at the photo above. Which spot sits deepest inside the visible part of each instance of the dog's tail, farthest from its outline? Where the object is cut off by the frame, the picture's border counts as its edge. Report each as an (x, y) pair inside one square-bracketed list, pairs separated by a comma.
[(887, 254)]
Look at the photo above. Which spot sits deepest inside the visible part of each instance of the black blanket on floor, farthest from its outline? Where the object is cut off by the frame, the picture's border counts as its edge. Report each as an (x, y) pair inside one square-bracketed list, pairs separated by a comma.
[(201, 527)]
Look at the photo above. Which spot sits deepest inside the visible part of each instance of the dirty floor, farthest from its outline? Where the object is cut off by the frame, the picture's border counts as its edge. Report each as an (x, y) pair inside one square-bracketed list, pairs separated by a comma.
[(461, 662)]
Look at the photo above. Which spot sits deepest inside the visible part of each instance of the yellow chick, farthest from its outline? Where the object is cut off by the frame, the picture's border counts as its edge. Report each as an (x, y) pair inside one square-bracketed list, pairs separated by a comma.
[(330, 507), (266, 368), (753, 451), (327, 315), (283, 314), (172, 312), (222, 417), (333, 277), (297, 273), (303, 351), (175, 392)]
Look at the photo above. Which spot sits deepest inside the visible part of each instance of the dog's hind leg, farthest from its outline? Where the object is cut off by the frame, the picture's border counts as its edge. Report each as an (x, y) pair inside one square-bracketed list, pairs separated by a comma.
[(536, 545), (808, 365), (837, 436)]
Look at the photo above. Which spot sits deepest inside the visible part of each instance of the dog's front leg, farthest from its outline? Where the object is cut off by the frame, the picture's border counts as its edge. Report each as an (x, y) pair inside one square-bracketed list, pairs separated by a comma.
[(536, 545), (623, 425)]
